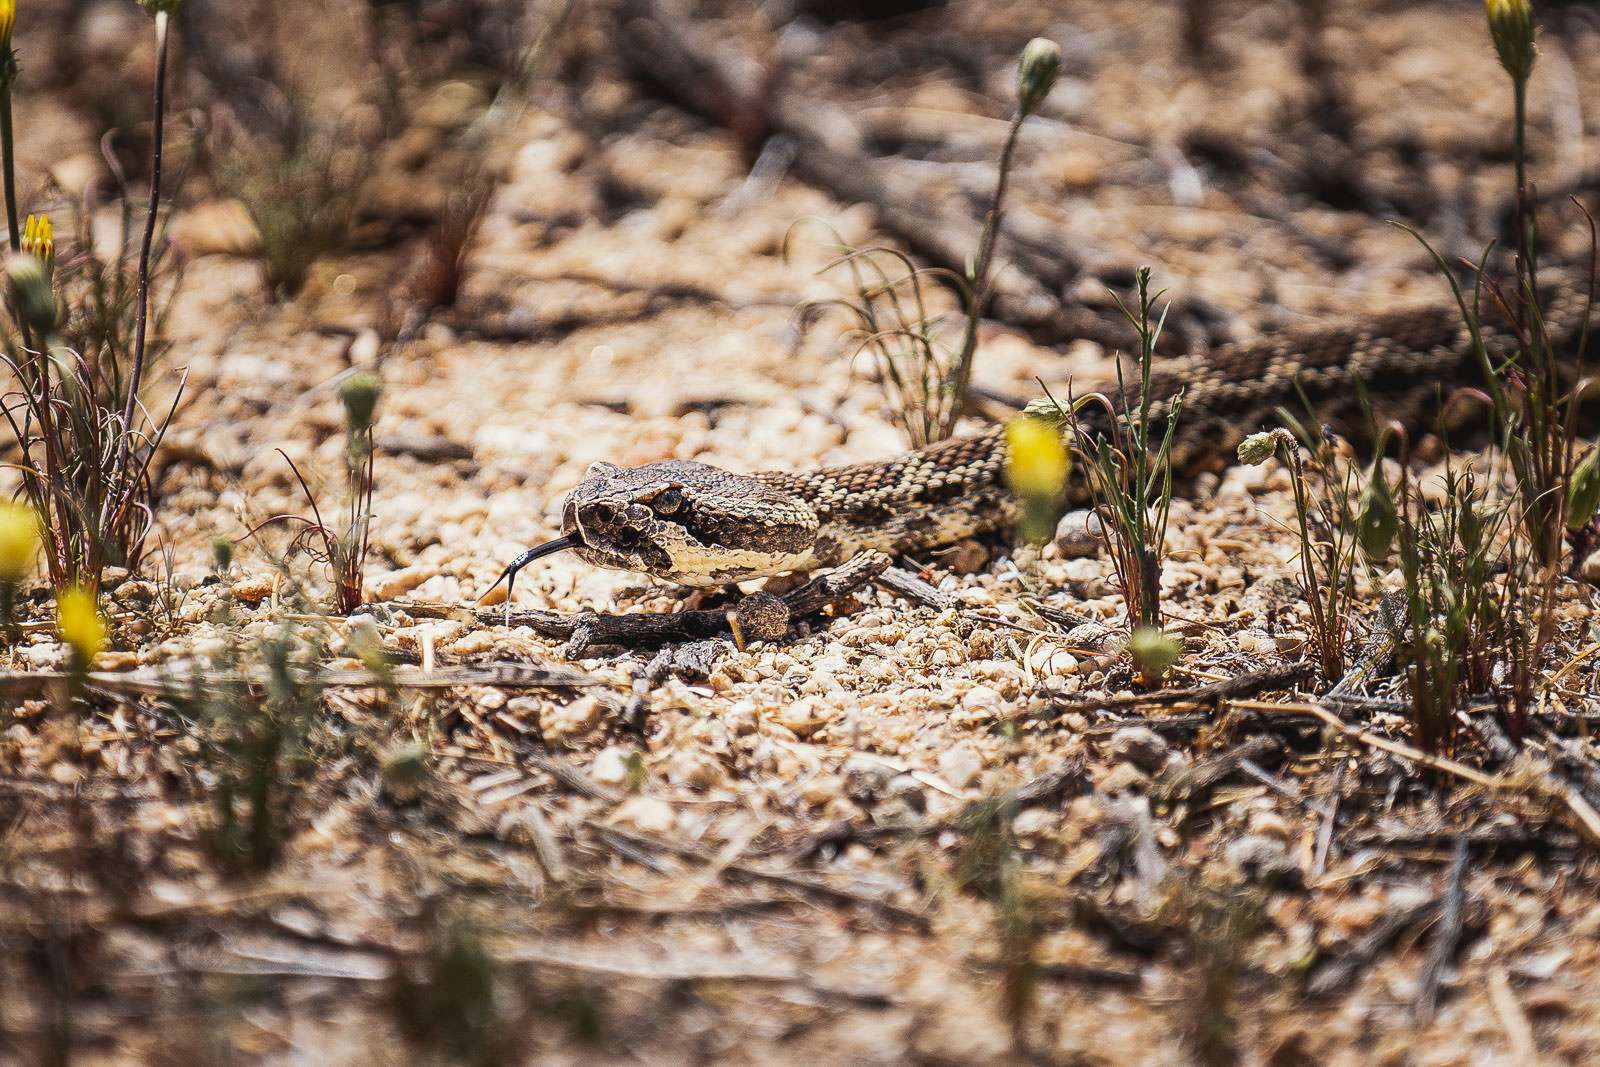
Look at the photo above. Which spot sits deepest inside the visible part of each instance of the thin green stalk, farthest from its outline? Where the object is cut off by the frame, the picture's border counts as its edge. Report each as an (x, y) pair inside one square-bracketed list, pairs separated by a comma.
[(8, 150), (980, 279), (142, 308)]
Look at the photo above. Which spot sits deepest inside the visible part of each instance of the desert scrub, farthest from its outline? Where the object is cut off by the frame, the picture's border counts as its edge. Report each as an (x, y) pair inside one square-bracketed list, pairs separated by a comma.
[(1338, 515), (302, 193), (922, 361), (1482, 574)]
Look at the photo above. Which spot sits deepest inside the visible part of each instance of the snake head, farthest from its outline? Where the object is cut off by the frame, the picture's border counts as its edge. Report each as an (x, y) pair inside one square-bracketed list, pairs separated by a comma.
[(686, 522)]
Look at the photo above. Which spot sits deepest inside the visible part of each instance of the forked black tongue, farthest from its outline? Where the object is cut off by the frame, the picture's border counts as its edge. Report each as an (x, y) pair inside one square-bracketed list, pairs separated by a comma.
[(549, 548)]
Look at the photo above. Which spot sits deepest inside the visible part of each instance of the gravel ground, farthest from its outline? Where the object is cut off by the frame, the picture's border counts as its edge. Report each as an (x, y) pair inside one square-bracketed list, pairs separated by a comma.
[(773, 867)]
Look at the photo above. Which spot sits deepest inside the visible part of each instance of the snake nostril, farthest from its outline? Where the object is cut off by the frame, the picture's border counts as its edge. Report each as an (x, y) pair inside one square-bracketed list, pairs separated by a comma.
[(605, 512)]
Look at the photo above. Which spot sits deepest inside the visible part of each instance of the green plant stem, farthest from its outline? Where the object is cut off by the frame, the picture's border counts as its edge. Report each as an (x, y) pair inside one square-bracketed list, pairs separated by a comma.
[(142, 308), (8, 150), (980, 280), (1525, 243)]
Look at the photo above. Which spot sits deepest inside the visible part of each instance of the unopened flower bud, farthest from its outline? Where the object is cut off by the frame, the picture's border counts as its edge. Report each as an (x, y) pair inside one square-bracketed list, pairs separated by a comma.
[(1377, 519), (1511, 29), (1036, 73), (31, 294), (1153, 653), (360, 395), (1583, 492)]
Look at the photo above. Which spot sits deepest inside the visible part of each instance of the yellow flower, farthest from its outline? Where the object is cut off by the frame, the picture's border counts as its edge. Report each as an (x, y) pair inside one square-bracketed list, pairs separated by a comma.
[(39, 236), (1511, 29), (79, 623), (8, 18), (19, 539), (1037, 464), (1036, 460)]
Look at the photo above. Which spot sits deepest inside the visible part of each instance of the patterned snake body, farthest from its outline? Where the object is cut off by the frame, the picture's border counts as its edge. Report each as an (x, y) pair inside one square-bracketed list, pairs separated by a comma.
[(695, 524)]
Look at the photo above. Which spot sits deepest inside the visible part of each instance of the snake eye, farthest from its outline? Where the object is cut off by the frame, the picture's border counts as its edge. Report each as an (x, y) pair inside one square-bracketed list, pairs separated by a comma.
[(627, 537), (668, 502)]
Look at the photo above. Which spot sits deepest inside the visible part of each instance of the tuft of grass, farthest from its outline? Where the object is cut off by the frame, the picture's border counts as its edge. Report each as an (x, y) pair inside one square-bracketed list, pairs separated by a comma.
[(450, 1007), (989, 865), (1481, 573), (1218, 927), (256, 744), (1338, 514), (448, 242), (923, 364), (343, 549), (78, 344), (1128, 465)]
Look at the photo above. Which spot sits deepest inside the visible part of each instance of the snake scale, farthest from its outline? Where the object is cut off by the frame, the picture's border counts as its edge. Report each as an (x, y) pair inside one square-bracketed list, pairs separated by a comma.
[(696, 524)]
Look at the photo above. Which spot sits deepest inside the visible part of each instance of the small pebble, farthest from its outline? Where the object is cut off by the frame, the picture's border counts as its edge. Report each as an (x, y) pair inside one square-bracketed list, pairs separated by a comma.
[(1079, 534), (1142, 747)]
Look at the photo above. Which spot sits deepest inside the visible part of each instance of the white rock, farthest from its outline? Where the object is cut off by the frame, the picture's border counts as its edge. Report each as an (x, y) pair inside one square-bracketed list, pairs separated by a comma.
[(1050, 661), (1082, 570), (1591, 567), (610, 767), (960, 765), (650, 814)]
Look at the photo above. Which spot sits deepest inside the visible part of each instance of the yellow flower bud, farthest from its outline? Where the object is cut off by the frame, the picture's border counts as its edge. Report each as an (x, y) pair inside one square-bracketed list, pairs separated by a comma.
[(39, 237), (19, 541), (1511, 29), (8, 18), (79, 623)]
